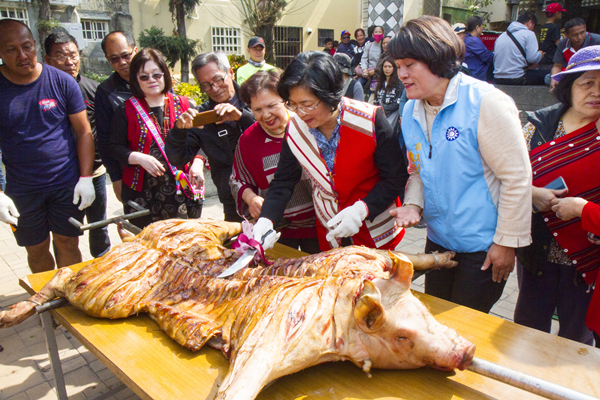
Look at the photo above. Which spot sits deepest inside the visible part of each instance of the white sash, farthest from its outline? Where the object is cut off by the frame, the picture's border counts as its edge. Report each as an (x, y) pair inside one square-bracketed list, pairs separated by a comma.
[(358, 116)]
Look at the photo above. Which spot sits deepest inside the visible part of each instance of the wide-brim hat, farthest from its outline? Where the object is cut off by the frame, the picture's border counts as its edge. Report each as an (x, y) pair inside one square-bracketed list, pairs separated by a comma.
[(586, 59), (344, 62)]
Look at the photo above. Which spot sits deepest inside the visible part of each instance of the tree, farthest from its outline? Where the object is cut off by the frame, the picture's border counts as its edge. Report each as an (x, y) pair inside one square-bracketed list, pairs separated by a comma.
[(45, 22), (174, 48), (474, 8), (179, 10), (261, 17)]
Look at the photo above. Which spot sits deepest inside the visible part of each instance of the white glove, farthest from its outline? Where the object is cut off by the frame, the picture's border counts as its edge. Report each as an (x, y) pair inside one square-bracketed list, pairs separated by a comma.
[(85, 190), (8, 211), (348, 221), (262, 226)]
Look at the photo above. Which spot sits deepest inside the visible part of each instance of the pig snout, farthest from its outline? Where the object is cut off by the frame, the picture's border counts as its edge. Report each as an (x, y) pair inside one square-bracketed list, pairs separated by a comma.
[(460, 356)]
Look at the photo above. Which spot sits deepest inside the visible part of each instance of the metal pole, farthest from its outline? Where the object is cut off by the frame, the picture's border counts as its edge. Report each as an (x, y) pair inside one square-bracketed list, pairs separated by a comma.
[(526, 382), (59, 378)]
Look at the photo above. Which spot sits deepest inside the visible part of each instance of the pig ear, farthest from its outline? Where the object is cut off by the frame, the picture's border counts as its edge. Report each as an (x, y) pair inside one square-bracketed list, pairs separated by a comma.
[(402, 269), (368, 311)]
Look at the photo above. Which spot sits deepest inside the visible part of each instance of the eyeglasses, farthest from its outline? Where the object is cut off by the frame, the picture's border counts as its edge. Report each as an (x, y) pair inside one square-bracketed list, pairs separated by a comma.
[(63, 59), (207, 87), (116, 59), (300, 109), (145, 78), (271, 108), (345, 37)]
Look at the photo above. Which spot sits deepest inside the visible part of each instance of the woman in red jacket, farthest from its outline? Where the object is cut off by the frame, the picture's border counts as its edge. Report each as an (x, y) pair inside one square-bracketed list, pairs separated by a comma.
[(139, 129), (576, 207)]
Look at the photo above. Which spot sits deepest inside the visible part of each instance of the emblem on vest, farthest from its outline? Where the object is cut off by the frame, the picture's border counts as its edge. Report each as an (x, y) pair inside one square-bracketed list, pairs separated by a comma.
[(451, 134)]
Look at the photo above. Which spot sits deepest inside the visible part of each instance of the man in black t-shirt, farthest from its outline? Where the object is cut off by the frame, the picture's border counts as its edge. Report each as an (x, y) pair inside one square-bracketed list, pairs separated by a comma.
[(550, 34), (62, 52)]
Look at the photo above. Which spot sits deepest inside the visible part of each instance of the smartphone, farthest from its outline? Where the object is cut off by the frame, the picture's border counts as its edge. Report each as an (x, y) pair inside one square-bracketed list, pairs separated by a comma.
[(206, 117), (557, 184)]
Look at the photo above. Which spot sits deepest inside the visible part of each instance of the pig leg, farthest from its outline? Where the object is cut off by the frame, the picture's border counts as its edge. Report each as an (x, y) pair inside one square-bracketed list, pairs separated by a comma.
[(20, 311), (428, 261)]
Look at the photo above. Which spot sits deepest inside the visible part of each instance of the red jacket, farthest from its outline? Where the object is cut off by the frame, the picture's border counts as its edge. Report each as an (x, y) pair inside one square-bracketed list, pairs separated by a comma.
[(590, 221), (140, 138)]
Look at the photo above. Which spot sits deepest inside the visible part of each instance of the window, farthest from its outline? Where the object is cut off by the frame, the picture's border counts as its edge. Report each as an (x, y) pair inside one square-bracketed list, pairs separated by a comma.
[(227, 40), (19, 14), (288, 44), (324, 34), (94, 31)]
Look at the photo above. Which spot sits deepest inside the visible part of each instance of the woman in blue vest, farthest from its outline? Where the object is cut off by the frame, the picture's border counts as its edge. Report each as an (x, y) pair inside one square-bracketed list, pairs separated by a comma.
[(470, 177)]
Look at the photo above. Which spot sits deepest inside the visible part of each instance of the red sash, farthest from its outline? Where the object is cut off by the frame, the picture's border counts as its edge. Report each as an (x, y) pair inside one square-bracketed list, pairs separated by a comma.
[(575, 157)]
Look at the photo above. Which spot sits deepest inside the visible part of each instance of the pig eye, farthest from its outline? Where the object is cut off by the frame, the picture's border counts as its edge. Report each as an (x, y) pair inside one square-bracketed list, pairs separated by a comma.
[(400, 338)]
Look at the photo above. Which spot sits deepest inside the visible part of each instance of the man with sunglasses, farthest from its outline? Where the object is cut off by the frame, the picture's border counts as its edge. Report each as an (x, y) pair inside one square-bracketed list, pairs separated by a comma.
[(49, 173), (215, 142), (62, 53), (346, 47), (119, 48)]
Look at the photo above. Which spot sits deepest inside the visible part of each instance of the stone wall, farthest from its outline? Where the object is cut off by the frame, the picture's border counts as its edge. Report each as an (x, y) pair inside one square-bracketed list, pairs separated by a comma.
[(529, 98)]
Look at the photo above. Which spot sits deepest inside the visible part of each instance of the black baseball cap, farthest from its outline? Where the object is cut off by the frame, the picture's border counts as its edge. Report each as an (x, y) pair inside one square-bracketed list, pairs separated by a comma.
[(255, 41)]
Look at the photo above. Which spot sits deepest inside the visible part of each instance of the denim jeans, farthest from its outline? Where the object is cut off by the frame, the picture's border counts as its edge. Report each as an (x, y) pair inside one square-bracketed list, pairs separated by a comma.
[(2, 179), (99, 240)]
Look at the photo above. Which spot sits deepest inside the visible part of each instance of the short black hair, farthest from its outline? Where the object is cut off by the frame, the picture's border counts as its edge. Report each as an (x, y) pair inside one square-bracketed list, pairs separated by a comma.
[(564, 88), (58, 38), (473, 23), (370, 30), (327, 40), (130, 40), (572, 23), (138, 62), (432, 41), (318, 73), (526, 17), (4, 23)]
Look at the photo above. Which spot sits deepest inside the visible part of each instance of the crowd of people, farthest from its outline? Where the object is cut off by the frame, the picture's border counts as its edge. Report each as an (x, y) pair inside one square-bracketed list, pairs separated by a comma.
[(345, 147)]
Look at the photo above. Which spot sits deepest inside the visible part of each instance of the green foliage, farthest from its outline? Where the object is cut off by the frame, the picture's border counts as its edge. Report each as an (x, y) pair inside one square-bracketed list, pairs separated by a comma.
[(47, 25), (188, 6), (94, 76), (191, 91), (174, 48), (261, 13), (474, 8), (236, 61)]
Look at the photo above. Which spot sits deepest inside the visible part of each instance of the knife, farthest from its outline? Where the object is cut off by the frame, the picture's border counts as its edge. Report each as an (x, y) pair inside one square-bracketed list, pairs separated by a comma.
[(245, 259)]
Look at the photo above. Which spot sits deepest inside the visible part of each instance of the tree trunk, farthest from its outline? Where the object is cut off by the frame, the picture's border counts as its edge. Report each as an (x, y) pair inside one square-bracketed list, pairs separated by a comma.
[(185, 62), (44, 15), (267, 32)]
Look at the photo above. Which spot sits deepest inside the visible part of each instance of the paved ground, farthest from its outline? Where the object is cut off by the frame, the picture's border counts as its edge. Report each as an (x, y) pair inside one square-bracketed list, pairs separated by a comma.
[(25, 372)]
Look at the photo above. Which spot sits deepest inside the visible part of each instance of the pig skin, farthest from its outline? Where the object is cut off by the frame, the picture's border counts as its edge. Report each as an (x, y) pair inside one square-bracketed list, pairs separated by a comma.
[(351, 303)]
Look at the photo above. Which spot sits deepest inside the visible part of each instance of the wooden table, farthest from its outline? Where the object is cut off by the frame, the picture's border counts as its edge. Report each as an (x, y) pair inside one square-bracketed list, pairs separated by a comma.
[(155, 367)]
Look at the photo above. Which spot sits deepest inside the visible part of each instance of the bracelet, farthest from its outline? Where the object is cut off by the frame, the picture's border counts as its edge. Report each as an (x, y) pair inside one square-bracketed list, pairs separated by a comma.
[(199, 157), (437, 261)]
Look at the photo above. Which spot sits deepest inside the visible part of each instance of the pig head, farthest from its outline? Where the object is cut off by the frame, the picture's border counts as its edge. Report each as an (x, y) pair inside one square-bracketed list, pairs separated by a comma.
[(394, 330)]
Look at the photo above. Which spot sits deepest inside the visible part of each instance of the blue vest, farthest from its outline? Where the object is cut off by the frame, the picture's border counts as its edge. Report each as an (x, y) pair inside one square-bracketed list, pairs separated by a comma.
[(459, 210)]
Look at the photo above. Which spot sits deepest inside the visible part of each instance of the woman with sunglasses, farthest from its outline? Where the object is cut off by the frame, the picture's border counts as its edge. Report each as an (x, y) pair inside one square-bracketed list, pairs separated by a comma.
[(139, 129), (350, 153), (255, 162)]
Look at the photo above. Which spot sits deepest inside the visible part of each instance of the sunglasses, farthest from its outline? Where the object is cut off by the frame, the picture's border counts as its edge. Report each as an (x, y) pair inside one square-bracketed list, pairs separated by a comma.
[(345, 37), (145, 78)]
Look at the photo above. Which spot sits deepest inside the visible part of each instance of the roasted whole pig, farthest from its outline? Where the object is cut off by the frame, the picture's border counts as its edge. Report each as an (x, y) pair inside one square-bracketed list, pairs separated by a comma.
[(350, 303)]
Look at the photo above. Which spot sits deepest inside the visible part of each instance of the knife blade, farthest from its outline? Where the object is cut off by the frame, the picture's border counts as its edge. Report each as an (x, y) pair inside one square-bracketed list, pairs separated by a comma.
[(245, 258)]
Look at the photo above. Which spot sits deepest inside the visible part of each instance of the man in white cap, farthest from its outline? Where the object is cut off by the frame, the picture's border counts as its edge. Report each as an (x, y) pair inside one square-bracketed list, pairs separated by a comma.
[(256, 49)]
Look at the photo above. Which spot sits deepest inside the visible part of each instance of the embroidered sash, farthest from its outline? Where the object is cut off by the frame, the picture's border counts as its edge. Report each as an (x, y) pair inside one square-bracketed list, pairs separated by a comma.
[(575, 157), (180, 177), (383, 229)]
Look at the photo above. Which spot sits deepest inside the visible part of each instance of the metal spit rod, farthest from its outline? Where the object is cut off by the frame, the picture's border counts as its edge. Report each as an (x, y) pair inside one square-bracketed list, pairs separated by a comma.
[(141, 211), (526, 382)]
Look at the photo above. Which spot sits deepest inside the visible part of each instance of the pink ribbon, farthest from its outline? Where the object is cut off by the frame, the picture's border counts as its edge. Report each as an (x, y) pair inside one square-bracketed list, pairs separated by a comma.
[(246, 241)]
